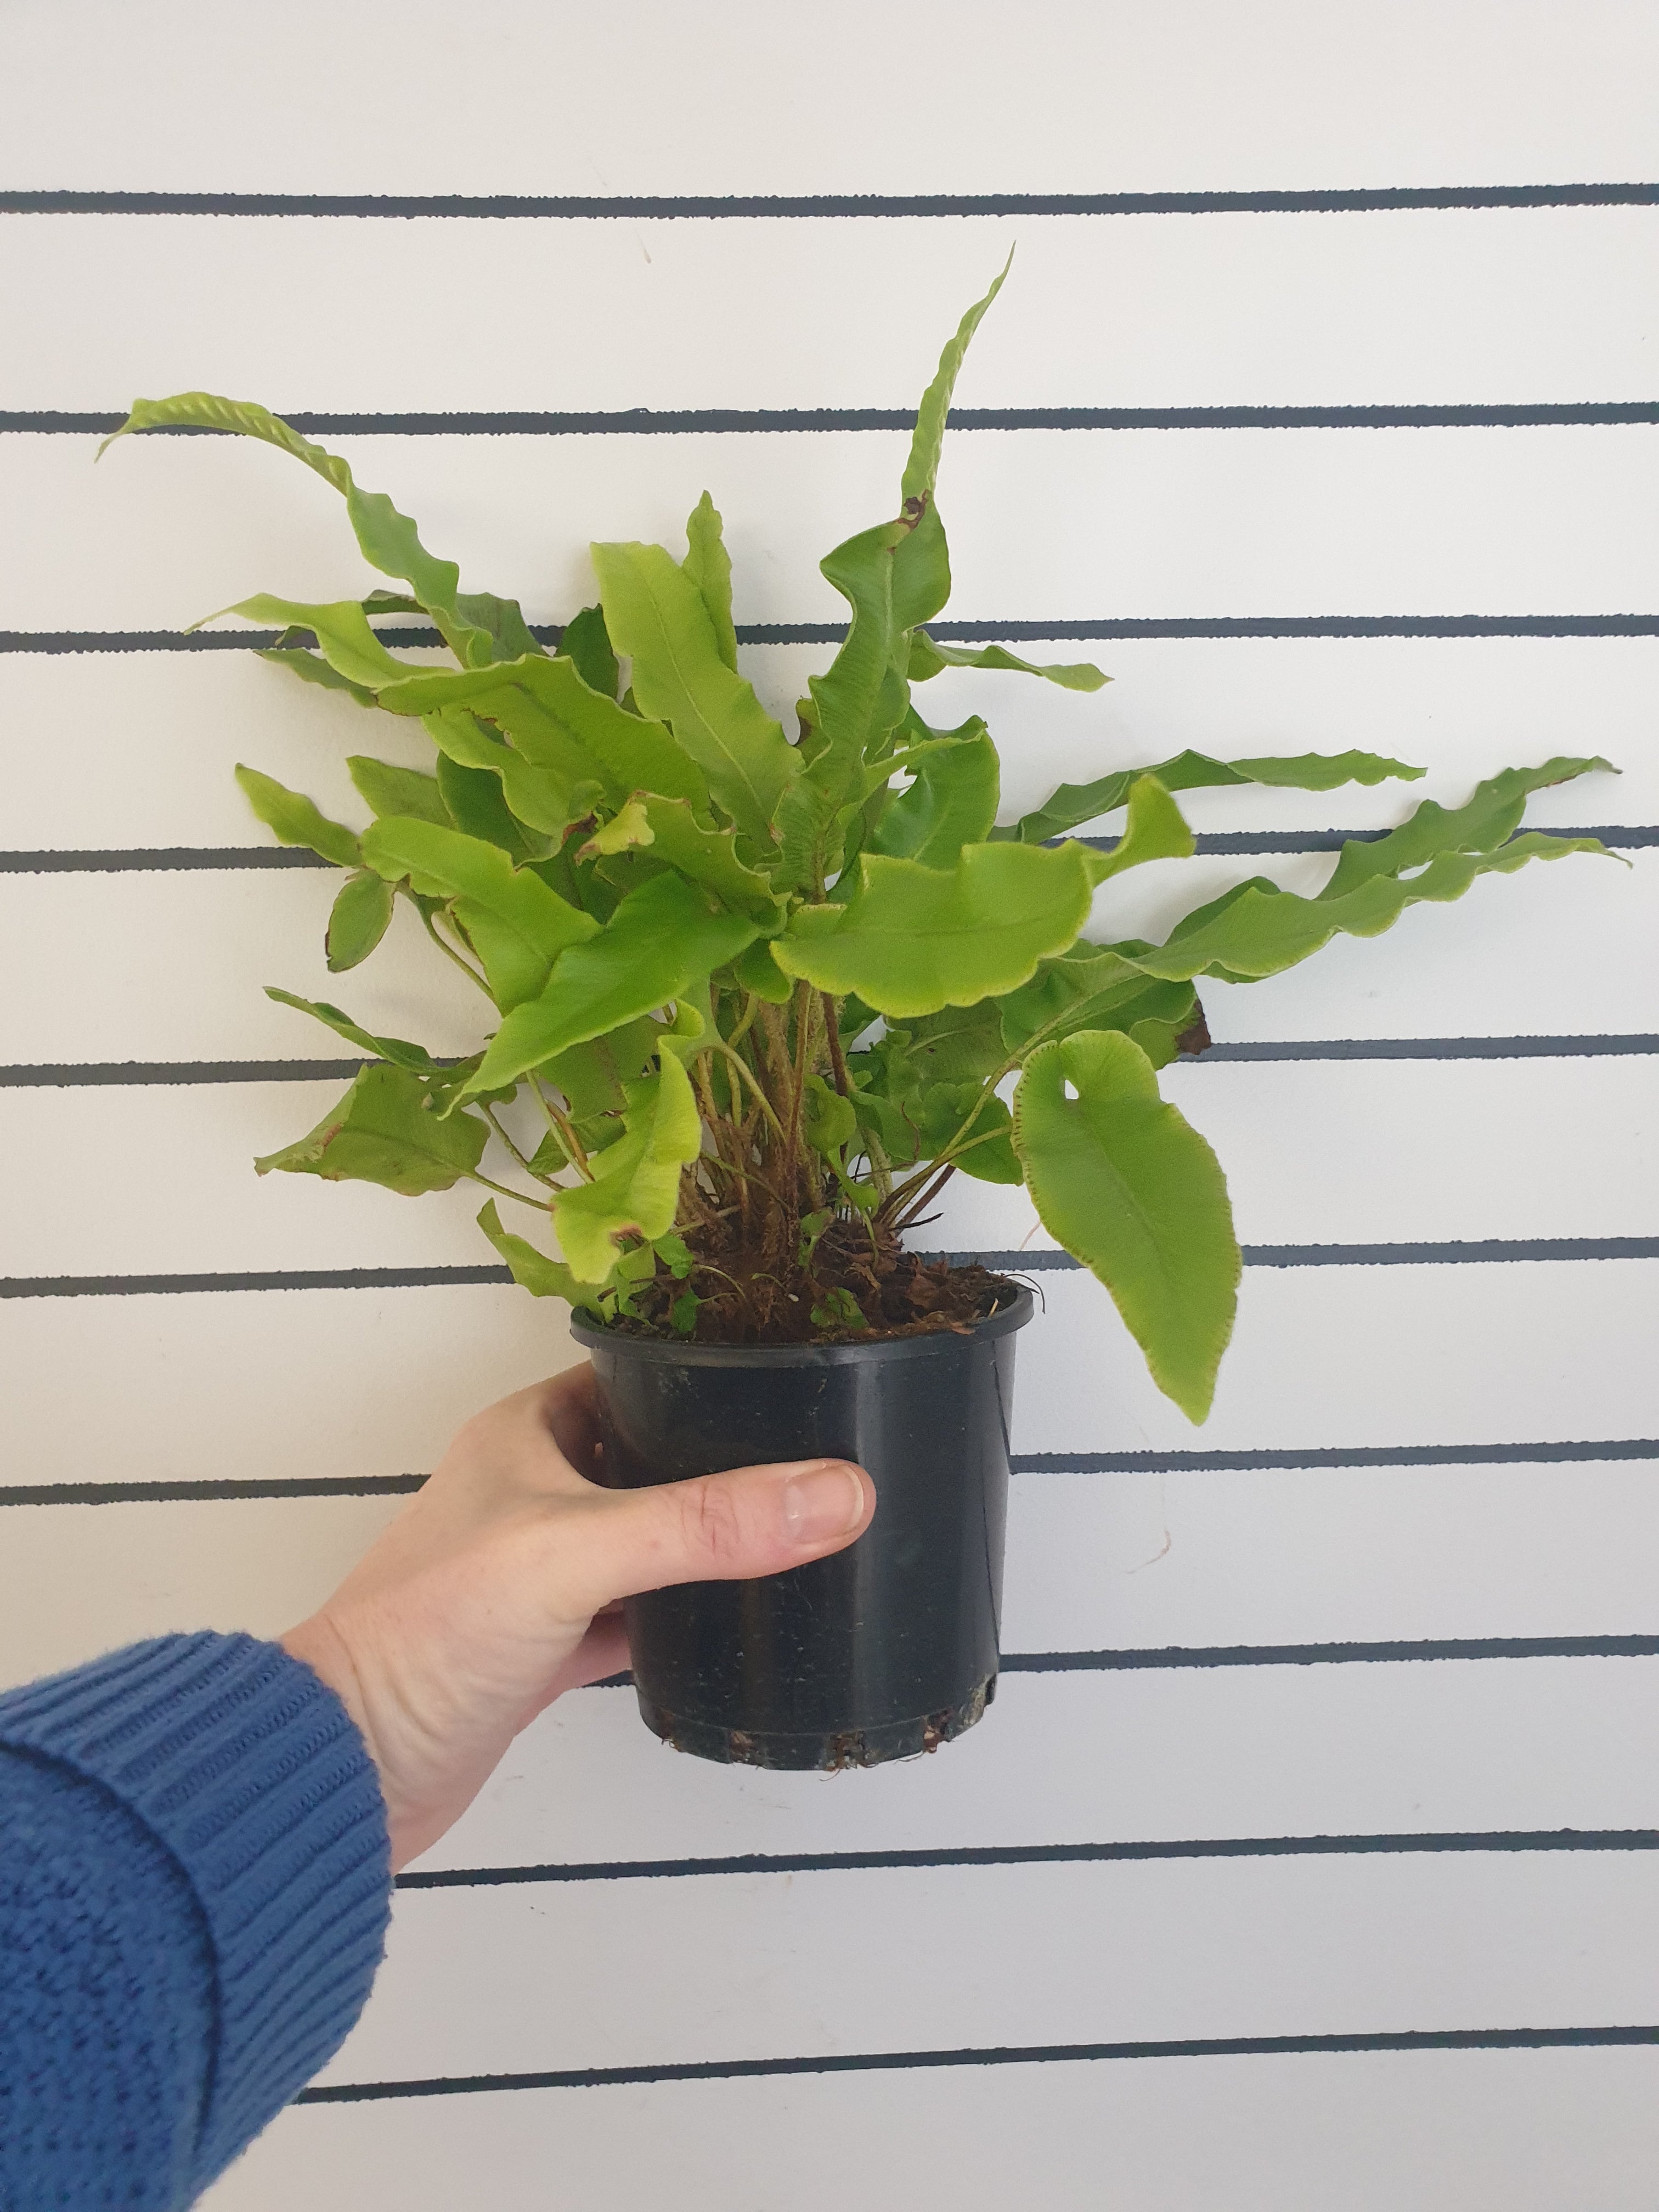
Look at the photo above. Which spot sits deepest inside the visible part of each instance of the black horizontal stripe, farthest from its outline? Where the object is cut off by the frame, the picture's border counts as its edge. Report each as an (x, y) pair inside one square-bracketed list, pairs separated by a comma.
[(1003, 1855), (1593, 1449), (715, 207), (1337, 1455), (1330, 1654), (1481, 1252), (57, 1075), (1044, 2054), (168, 860), (66, 1074), (1057, 629), (1494, 1048), (680, 421), (1492, 1249)]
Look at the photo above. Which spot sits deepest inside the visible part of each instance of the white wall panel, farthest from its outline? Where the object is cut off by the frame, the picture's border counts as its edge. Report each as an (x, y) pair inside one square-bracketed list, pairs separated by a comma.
[(1045, 524), (1098, 1560), (745, 1965), (173, 966), (1366, 1356), (641, 99), (144, 743), (1461, 2131), (1551, 305), (1127, 1544)]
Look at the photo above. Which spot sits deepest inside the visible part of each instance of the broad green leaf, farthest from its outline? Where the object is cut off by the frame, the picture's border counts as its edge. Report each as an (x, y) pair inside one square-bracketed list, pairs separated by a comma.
[(586, 641), (398, 1050), (389, 790), (358, 920), (533, 1271), (708, 857), (636, 1180), (1090, 987), (478, 805), (912, 940), (862, 695), (1155, 831), (757, 971), (658, 940), (958, 1044), (989, 1157), (518, 926), (921, 468), (295, 820), (1257, 930), (1075, 803), (928, 658), (709, 565), (462, 737), (626, 828), (592, 1076), (951, 803), (311, 668), (387, 1129), (1131, 1188), (471, 627), (656, 614), (830, 1122), (561, 725)]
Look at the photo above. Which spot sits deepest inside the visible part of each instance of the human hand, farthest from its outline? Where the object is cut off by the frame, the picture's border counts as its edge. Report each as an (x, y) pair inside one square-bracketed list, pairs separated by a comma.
[(498, 1585)]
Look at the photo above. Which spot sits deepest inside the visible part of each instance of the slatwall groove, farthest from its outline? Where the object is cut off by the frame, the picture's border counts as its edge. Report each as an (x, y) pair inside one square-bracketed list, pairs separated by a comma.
[(1323, 1740)]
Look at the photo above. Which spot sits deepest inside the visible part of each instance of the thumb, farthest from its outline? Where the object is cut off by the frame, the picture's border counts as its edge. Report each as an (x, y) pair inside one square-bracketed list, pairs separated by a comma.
[(718, 1527)]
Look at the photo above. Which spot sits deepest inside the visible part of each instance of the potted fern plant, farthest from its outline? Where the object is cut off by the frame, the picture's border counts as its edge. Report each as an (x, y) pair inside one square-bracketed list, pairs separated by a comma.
[(746, 1001)]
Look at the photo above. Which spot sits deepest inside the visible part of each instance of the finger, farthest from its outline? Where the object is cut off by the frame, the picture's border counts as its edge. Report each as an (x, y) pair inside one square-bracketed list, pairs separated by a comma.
[(720, 1528)]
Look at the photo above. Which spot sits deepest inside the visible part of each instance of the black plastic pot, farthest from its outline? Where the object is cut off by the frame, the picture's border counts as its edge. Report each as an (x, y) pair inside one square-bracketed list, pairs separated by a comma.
[(888, 1648)]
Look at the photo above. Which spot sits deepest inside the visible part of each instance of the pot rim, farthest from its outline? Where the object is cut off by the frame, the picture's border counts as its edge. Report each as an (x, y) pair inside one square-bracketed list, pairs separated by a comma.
[(932, 1342)]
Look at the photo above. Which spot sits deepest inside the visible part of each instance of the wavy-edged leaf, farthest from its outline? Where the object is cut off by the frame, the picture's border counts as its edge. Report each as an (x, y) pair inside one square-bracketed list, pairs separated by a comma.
[(626, 827), (951, 803), (386, 789), (921, 466), (756, 971), (928, 658), (1129, 1187), (656, 614), (560, 724), (478, 807), (398, 1050), (518, 926), (340, 628), (294, 819), (708, 857), (311, 668), (660, 938), (1491, 814), (475, 627), (359, 919), (988, 1154), (1091, 987), (1156, 830), (636, 1180), (709, 565), (912, 940), (462, 737), (593, 1076), (1075, 803), (532, 1270), (585, 640), (1256, 929), (387, 1129)]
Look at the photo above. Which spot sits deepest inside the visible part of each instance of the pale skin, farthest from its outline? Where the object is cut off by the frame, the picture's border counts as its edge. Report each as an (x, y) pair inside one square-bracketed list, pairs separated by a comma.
[(499, 1587)]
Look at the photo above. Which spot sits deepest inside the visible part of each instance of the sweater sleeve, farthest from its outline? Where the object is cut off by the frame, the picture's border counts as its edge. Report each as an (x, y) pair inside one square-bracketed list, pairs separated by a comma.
[(194, 1888)]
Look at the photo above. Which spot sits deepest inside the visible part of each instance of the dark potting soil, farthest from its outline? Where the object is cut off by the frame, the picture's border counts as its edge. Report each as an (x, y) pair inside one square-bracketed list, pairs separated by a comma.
[(742, 1299)]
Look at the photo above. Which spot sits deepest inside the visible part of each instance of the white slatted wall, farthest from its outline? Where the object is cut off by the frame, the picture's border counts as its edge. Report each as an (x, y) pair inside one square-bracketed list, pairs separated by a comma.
[(1306, 1863)]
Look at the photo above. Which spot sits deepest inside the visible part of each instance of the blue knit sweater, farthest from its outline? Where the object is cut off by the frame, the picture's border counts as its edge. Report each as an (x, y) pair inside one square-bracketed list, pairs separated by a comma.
[(194, 1885)]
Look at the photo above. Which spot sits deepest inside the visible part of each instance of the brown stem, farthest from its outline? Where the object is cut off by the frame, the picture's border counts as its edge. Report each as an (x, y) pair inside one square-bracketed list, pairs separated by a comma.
[(837, 1057)]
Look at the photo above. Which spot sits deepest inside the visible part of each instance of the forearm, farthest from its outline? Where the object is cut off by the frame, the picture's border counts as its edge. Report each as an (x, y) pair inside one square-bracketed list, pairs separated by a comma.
[(193, 1892)]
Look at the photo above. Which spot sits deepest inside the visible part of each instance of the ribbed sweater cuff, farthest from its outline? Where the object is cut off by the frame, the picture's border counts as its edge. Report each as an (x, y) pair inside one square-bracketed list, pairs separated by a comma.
[(249, 1769)]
